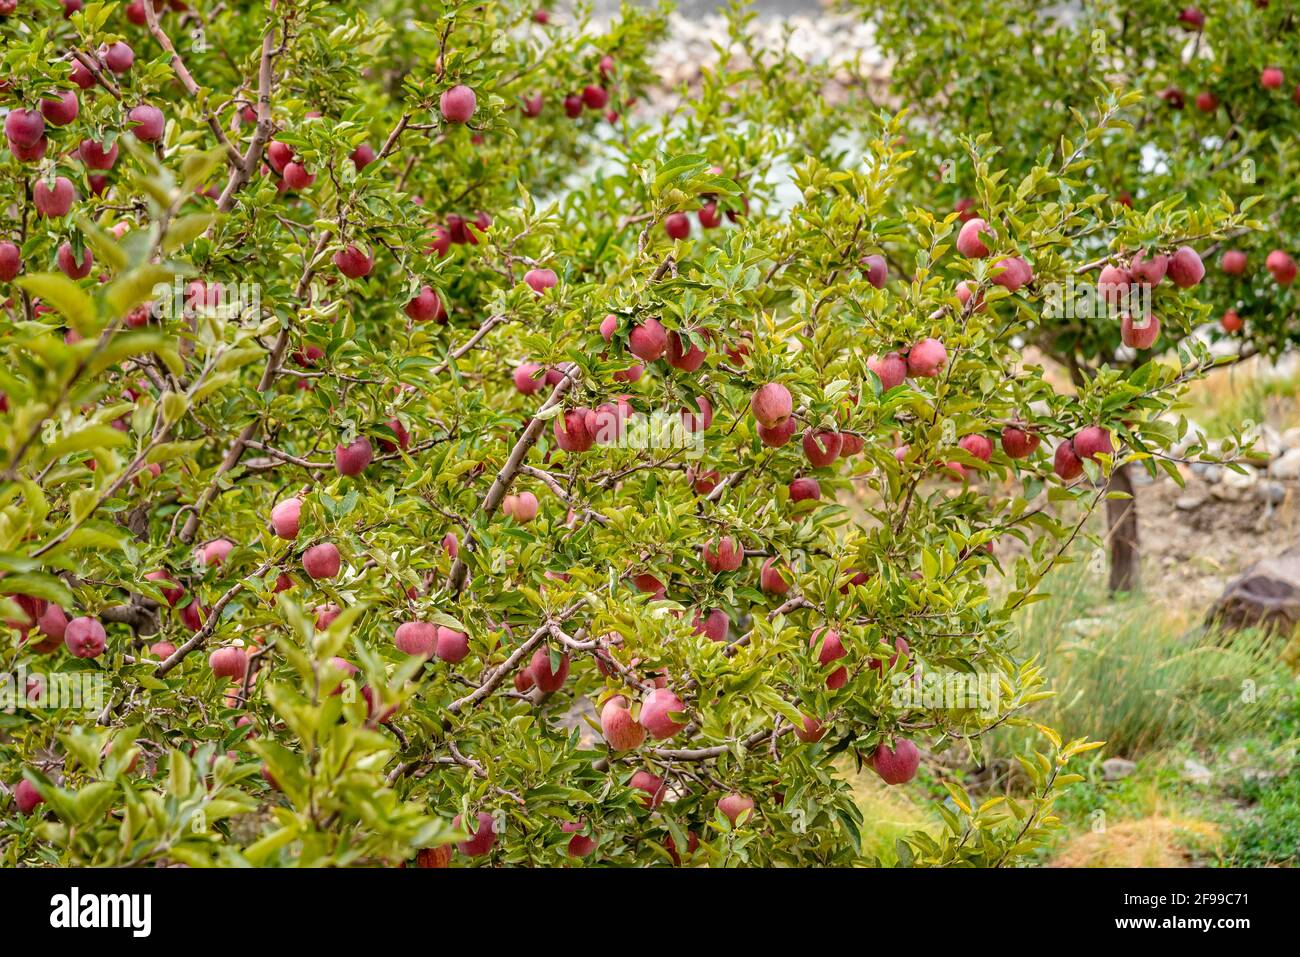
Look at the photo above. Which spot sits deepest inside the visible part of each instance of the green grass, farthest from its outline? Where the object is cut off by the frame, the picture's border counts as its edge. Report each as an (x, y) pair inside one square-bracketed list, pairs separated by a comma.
[(1158, 693), (1125, 675)]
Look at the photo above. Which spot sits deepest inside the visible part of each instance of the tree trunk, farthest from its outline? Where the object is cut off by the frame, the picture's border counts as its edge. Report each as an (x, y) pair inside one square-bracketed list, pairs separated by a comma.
[(1122, 523)]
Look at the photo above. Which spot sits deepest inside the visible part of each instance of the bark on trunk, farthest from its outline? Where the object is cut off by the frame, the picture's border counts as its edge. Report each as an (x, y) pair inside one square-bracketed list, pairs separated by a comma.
[(1122, 522)]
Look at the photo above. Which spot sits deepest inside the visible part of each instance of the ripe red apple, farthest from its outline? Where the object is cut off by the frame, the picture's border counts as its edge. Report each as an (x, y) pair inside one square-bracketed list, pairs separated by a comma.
[(733, 806), (322, 560), (546, 678), (896, 765), (229, 663), (1186, 268), (810, 731), (426, 306), (147, 122), (570, 431), (771, 578), (540, 280), (1270, 78), (595, 97), (1019, 443), (573, 106), (457, 105), (622, 732), (63, 109), (1139, 334), (1113, 283), (325, 616), (53, 201), (652, 785), (528, 377), (1282, 266), (902, 650), (1092, 441), (416, 638), (777, 435), (970, 240), (362, 156), (297, 177), (24, 128), (850, 444), (94, 156), (830, 648), (352, 459), (482, 836), (579, 845), (212, 554), (771, 404), (53, 624), (1149, 271), (650, 585), (1191, 19), (1173, 98), (1015, 273), (453, 645), (118, 57), (162, 650), (802, 489), (1065, 463), (1207, 102), (876, 269), (677, 225), (683, 353), (648, 341), (85, 637), (532, 105), (709, 215), (1231, 321), (694, 421), (977, 445), (965, 209), (172, 595), (927, 357), (278, 155), (657, 713), (68, 262), (192, 616), (722, 555), (522, 507), (285, 516), (715, 625), (1233, 262), (11, 264), (890, 369), (821, 447), (26, 797), (353, 262)]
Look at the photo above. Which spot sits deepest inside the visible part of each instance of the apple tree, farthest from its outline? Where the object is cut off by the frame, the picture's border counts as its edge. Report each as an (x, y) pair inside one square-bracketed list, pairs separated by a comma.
[(1217, 123), (420, 430)]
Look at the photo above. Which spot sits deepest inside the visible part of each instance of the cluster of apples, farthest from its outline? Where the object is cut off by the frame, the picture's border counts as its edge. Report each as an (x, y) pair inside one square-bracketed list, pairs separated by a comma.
[(84, 637), (27, 134), (1271, 77)]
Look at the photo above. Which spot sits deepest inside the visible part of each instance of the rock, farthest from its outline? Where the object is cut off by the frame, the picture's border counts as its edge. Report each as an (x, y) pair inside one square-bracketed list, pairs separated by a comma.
[(1208, 471), (1191, 501), (1274, 493), (1287, 465), (1291, 438), (1234, 486), (1267, 595), (1115, 769), (1196, 772)]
